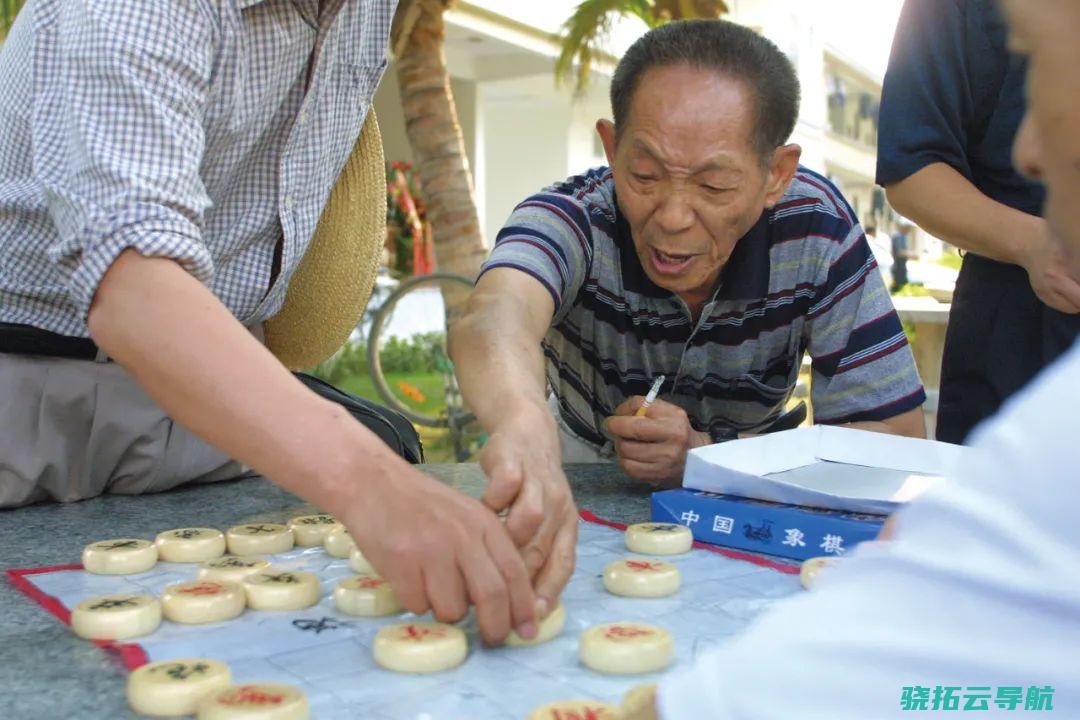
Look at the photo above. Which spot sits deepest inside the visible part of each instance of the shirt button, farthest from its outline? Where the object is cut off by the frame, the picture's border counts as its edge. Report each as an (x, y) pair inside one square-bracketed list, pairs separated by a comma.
[(288, 202), (303, 117)]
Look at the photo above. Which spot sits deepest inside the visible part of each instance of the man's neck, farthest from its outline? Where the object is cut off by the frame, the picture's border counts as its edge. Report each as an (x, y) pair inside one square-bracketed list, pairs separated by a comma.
[(698, 299)]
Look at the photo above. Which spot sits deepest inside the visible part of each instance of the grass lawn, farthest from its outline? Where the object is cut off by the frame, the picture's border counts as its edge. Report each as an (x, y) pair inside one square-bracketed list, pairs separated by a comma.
[(437, 447), (430, 386), (951, 260)]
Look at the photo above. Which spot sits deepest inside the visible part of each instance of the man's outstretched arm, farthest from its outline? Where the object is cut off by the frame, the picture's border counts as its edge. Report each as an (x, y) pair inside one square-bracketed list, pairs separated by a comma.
[(910, 424), (496, 351), (947, 205), (438, 548)]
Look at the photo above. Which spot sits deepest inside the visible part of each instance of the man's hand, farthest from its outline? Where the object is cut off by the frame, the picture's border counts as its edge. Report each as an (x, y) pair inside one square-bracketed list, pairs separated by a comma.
[(1047, 266), (888, 529), (639, 704), (523, 463), (438, 548), (653, 448), (441, 549)]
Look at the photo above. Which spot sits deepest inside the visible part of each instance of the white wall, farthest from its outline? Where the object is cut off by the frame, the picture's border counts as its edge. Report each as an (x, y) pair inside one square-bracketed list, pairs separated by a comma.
[(534, 135), (392, 119), (584, 149), (525, 145)]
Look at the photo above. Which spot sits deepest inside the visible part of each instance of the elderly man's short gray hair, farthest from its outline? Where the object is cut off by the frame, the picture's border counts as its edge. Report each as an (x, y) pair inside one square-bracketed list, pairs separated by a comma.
[(729, 49)]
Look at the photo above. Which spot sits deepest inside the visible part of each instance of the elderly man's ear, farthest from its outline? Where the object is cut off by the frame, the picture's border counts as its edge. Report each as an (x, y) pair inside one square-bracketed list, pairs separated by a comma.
[(606, 130), (785, 161)]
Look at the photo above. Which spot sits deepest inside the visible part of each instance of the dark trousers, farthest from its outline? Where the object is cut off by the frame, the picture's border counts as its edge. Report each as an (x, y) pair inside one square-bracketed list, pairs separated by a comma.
[(999, 337), (899, 274)]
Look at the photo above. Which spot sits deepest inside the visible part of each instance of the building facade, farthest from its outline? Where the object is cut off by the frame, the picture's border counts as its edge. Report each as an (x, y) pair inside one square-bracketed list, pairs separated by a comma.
[(522, 132)]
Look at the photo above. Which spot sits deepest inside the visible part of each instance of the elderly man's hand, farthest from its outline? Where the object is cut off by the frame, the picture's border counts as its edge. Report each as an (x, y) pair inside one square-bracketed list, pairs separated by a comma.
[(653, 447), (524, 464), (442, 550)]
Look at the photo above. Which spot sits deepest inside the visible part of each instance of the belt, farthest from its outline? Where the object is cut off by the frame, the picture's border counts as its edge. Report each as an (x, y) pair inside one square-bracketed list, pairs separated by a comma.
[(29, 340)]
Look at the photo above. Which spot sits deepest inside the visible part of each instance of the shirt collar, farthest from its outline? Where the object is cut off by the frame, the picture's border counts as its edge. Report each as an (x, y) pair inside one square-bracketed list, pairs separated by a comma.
[(744, 277)]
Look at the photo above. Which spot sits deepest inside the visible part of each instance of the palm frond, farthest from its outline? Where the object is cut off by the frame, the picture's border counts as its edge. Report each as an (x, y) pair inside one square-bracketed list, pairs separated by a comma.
[(668, 10), (584, 34)]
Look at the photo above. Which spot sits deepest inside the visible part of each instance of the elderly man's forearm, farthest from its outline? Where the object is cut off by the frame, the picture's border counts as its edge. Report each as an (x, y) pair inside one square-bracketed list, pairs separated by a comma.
[(909, 424), (499, 368)]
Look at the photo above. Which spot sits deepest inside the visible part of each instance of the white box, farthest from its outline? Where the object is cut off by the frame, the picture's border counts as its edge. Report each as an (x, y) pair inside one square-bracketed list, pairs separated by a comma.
[(825, 467)]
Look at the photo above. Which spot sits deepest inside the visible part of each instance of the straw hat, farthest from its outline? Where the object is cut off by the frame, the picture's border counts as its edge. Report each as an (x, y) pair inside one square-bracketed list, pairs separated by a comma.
[(330, 289)]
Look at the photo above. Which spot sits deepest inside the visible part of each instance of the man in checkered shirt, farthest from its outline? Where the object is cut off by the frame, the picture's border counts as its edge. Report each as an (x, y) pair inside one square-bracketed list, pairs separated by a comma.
[(163, 166)]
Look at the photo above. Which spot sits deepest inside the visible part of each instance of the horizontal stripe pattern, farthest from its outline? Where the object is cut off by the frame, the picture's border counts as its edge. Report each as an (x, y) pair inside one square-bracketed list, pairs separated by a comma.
[(614, 330)]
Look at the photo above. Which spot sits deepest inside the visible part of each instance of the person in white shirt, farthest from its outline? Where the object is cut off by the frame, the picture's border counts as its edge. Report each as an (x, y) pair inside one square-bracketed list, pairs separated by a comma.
[(881, 246), (975, 603)]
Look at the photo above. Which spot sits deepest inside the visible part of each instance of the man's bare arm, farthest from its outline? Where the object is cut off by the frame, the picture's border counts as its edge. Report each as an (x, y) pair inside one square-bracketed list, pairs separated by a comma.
[(910, 424), (947, 205), (496, 351), (437, 547), (496, 345), (207, 372)]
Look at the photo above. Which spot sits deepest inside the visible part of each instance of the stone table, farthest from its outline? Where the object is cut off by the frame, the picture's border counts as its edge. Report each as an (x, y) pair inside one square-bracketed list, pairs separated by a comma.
[(930, 319), (46, 672)]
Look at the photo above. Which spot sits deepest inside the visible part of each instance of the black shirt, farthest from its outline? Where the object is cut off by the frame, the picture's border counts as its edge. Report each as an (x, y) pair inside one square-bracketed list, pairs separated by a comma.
[(954, 94)]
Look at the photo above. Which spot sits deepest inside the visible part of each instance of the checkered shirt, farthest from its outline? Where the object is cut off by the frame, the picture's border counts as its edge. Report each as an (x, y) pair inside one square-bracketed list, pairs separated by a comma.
[(206, 131)]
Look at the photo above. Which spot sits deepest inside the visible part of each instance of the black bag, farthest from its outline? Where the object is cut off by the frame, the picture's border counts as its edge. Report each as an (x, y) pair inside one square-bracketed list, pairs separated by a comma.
[(391, 427)]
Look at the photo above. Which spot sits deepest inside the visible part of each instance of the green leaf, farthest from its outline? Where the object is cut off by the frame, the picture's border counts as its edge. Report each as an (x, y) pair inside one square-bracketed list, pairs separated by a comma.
[(586, 32)]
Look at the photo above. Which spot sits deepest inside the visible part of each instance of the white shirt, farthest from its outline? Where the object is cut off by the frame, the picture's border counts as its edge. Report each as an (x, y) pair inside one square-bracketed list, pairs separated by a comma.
[(881, 246), (980, 588)]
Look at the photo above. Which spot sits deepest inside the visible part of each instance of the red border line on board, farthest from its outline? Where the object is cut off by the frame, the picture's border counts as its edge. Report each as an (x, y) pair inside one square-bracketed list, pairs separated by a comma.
[(733, 554), (130, 655)]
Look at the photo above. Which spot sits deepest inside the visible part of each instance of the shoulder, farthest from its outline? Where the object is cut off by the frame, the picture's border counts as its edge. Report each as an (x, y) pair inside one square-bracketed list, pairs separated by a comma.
[(581, 201), (813, 233), (594, 186), (812, 209), (590, 192), (929, 14), (163, 28)]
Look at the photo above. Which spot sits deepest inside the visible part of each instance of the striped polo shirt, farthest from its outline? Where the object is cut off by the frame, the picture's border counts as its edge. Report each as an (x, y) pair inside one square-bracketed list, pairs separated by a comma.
[(802, 280)]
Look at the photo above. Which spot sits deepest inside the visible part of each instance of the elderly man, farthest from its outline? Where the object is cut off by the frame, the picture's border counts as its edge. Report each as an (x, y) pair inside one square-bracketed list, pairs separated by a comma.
[(706, 254), (975, 604), (163, 166)]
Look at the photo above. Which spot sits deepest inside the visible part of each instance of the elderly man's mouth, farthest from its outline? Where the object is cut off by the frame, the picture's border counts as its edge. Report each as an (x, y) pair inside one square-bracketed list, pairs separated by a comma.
[(670, 264)]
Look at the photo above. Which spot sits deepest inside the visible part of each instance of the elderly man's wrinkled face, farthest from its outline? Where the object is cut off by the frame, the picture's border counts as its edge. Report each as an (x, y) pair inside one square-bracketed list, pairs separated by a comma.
[(689, 178), (1048, 147)]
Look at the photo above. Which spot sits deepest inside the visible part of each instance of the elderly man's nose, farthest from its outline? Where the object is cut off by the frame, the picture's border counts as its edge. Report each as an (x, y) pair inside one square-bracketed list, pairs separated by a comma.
[(1027, 154), (675, 214)]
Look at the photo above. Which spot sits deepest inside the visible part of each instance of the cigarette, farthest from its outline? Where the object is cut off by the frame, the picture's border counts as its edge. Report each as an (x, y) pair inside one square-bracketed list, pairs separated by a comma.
[(651, 397)]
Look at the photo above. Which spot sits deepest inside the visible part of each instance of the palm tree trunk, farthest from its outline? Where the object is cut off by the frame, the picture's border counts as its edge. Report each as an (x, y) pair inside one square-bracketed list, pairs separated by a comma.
[(431, 123)]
